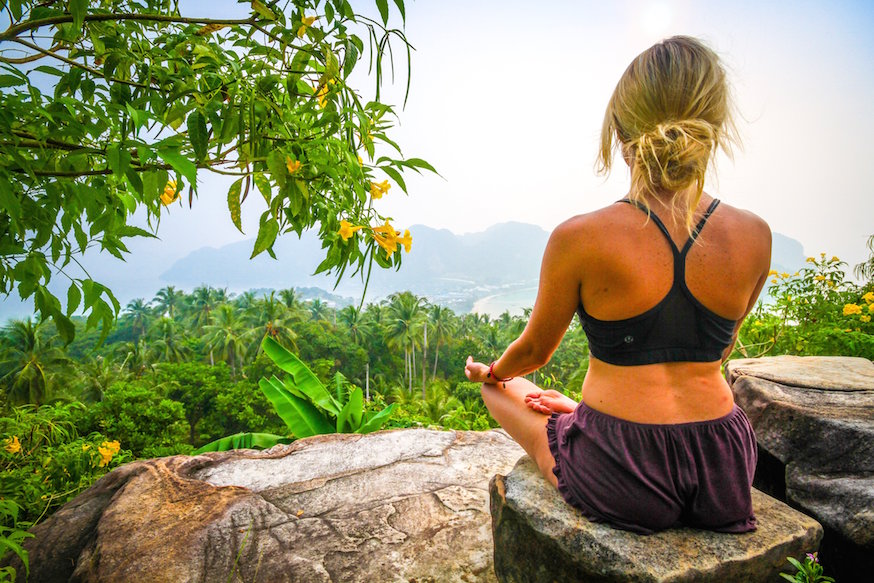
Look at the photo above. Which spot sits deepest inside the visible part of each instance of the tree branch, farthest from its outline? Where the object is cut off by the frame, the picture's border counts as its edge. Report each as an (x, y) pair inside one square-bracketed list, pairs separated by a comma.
[(73, 63), (13, 31)]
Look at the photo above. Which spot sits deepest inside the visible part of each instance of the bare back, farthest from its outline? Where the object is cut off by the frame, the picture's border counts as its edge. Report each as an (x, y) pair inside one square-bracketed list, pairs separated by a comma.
[(626, 267)]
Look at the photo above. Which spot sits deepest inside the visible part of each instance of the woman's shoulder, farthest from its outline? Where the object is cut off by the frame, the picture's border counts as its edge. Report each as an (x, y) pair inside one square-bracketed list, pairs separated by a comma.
[(744, 223)]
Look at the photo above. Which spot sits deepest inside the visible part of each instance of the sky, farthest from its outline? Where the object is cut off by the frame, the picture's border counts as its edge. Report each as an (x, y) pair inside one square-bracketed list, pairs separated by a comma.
[(507, 100)]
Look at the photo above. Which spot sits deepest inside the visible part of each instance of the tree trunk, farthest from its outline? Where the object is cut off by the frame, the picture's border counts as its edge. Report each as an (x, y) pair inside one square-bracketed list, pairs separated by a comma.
[(424, 360), (436, 354)]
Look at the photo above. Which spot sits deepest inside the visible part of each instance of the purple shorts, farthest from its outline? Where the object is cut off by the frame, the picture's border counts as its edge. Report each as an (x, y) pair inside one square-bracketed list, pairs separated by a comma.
[(647, 477)]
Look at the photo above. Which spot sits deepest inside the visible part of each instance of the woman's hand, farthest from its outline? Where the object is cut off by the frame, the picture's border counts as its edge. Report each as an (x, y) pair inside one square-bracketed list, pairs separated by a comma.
[(549, 402), (477, 372)]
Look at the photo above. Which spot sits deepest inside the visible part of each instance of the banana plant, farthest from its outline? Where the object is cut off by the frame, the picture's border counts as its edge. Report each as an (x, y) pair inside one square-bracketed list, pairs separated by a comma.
[(305, 405)]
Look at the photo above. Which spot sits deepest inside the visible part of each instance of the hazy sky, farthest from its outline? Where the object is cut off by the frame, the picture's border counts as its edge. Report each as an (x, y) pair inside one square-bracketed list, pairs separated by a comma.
[(507, 100)]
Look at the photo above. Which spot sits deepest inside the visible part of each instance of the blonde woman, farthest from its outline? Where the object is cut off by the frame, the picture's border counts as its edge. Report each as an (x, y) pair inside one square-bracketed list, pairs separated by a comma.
[(662, 281)]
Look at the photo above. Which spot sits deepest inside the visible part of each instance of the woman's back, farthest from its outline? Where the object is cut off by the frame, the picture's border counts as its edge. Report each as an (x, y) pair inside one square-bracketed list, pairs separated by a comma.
[(627, 268)]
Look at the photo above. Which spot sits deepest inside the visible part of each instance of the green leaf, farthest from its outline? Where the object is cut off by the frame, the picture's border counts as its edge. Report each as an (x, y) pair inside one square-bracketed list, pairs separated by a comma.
[(400, 5), (375, 422), (266, 236), (197, 133), (349, 418), (263, 10), (74, 296), (118, 159), (66, 328), (302, 377), (262, 183), (395, 175), (78, 8), (300, 416), (383, 10), (276, 165), (419, 163), (244, 441), (8, 200), (180, 164), (234, 203), (11, 81)]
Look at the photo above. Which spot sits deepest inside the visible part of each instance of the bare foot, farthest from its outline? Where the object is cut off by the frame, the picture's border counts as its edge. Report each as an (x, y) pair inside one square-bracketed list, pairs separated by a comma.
[(549, 402)]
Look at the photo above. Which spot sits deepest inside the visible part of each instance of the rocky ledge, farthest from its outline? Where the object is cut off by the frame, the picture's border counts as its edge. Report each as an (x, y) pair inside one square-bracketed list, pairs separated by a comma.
[(814, 421), (541, 539), (403, 505)]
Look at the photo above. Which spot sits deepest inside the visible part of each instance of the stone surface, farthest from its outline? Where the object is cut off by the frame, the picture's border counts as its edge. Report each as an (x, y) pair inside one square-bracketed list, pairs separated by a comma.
[(403, 505), (539, 538), (814, 422)]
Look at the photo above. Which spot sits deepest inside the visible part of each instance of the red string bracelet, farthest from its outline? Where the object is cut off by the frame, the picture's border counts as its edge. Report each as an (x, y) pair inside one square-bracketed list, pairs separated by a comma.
[(491, 374)]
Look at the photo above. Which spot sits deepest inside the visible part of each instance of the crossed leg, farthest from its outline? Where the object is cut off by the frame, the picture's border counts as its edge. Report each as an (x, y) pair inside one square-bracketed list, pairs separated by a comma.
[(526, 425)]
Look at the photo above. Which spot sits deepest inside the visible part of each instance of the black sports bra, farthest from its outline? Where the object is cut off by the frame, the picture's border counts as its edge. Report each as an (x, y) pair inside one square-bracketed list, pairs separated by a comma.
[(677, 329)]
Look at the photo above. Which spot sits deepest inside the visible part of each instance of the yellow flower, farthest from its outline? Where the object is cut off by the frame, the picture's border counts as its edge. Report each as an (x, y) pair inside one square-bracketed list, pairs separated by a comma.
[(305, 23), (773, 281), (107, 449), (810, 260), (850, 309), (292, 165), (406, 240), (86, 446), (871, 309), (835, 258), (822, 255), (386, 237), (347, 230), (865, 319), (868, 297), (819, 277), (170, 194), (377, 190), (12, 445), (360, 161), (784, 275), (831, 283), (772, 272), (322, 92), (757, 323)]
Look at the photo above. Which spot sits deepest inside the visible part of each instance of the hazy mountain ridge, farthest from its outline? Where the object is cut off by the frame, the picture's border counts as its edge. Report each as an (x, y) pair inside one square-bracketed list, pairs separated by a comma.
[(454, 270)]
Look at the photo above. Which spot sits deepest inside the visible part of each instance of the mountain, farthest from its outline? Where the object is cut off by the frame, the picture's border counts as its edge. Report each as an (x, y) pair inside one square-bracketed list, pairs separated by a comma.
[(502, 262)]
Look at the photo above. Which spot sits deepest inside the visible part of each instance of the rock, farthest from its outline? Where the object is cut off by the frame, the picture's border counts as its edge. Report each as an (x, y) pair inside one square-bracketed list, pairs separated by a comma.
[(540, 538), (814, 422), (403, 505)]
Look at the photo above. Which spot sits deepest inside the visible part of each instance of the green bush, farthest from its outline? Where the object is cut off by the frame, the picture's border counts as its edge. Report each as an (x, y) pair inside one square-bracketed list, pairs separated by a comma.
[(45, 462)]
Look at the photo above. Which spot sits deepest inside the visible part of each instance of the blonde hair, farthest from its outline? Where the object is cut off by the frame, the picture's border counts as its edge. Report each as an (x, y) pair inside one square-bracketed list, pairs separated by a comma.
[(669, 112)]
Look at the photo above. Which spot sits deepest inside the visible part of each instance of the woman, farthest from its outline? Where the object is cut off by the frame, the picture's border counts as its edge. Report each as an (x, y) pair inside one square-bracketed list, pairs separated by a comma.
[(662, 281)]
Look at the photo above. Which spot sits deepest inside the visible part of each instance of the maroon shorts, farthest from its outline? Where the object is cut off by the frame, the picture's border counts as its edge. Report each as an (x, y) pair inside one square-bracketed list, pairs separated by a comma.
[(646, 477)]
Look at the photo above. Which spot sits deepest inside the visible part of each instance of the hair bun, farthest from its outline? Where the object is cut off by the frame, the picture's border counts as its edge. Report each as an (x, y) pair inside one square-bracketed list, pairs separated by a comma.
[(674, 154)]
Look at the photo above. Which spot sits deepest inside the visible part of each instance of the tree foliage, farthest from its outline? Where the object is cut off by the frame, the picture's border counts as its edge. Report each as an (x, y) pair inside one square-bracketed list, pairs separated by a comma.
[(114, 108)]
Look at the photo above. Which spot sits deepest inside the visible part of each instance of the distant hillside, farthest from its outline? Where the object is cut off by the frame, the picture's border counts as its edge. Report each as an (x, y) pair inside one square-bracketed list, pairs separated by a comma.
[(454, 270)]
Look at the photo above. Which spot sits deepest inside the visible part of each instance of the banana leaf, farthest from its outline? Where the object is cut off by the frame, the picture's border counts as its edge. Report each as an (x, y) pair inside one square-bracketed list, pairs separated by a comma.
[(375, 422), (349, 418), (244, 441), (300, 416), (303, 378)]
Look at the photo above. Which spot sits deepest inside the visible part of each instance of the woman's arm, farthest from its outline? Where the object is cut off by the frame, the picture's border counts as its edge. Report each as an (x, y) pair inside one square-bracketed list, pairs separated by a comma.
[(558, 296), (763, 231)]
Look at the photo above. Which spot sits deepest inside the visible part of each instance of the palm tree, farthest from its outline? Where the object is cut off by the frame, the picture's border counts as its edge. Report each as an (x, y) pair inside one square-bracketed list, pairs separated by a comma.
[(96, 375), (168, 344), (269, 317), (168, 300), (404, 310), (226, 336), (319, 310), (359, 327), (135, 357), (442, 327), (139, 314), (26, 362), (201, 303)]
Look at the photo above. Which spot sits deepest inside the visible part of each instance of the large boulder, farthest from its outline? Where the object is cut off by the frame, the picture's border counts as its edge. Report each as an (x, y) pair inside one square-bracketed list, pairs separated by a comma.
[(814, 422), (539, 538), (403, 505)]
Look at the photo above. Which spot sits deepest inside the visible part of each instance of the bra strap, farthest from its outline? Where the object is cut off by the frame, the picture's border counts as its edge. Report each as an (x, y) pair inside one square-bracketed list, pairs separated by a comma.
[(655, 218), (700, 226)]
